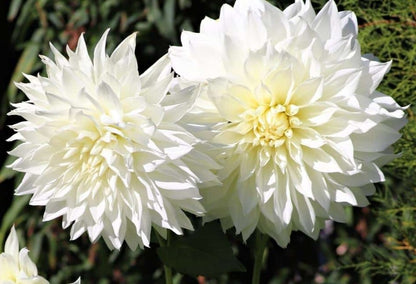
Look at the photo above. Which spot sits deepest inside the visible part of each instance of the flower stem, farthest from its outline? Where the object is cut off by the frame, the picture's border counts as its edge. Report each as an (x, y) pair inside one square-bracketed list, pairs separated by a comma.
[(168, 274), (260, 249), (167, 269)]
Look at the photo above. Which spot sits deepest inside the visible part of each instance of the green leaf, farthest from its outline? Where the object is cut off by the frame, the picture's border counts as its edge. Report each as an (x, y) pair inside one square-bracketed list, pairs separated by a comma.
[(6, 172), (169, 20), (25, 63), (24, 20), (19, 202), (14, 9), (206, 252)]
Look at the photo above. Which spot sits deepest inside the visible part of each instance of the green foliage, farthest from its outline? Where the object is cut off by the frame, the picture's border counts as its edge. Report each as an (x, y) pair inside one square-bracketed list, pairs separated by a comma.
[(206, 252), (392, 251), (378, 245), (390, 33)]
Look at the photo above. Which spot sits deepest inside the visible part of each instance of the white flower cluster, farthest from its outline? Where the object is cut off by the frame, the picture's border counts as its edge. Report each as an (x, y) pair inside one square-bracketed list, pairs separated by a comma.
[(274, 123)]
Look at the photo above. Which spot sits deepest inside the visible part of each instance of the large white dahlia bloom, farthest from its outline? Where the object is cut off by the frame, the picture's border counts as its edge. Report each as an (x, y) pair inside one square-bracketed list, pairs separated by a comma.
[(16, 266), (293, 107), (101, 146)]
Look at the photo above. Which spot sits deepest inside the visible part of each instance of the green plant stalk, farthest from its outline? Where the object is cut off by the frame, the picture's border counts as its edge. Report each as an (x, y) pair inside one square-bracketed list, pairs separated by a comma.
[(167, 269), (260, 249)]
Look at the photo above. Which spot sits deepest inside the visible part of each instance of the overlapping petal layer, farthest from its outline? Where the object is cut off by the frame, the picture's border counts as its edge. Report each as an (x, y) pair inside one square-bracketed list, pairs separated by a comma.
[(292, 106)]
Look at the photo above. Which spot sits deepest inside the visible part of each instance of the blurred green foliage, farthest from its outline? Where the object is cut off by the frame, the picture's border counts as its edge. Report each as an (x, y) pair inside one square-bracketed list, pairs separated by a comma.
[(377, 245)]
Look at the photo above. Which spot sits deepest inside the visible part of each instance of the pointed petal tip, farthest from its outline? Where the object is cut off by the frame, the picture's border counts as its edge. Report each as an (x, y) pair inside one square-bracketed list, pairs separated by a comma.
[(12, 243)]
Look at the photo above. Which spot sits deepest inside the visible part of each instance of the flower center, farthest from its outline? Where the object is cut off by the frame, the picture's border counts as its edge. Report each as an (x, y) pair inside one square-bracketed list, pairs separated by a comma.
[(272, 124), (96, 150)]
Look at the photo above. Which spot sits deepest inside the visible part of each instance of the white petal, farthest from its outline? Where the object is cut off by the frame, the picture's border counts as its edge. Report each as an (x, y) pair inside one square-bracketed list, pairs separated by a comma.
[(26, 264), (379, 137), (308, 92), (100, 55), (327, 23), (11, 247)]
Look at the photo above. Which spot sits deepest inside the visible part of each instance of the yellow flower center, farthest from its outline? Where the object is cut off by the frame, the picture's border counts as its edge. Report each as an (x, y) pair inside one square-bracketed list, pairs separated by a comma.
[(272, 124)]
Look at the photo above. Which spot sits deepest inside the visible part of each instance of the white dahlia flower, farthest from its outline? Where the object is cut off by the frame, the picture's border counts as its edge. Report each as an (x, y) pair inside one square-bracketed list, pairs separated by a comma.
[(293, 108), (16, 266), (101, 147)]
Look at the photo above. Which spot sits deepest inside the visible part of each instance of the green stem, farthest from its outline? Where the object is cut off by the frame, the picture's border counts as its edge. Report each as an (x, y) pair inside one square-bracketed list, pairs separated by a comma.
[(168, 275), (260, 249), (167, 269)]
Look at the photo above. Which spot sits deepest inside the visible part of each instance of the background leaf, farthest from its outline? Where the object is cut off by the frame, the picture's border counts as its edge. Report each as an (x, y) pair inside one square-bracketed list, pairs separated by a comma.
[(205, 252)]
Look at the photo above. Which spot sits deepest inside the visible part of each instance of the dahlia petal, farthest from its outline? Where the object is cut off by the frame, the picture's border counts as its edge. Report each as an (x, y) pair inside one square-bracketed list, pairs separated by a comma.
[(126, 47), (253, 219), (369, 174), (376, 71), (309, 137), (283, 205), (273, 16), (308, 92), (100, 55), (227, 104), (11, 247), (109, 100), (29, 268), (337, 212), (348, 78), (321, 161), (319, 188), (239, 219), (255, 31), (246, 164), (210, 26), (232, 60), (54, 210), (84, 61), (280, 84), (316, 114), (305, 213), (26, 185), (301, 10), (248, 199), (381, 136), (301, 180), (60, 60), (327, 23), (230, 18), (160, 71), (349, 23), (176, 107), (176, 56), (295, 152)]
